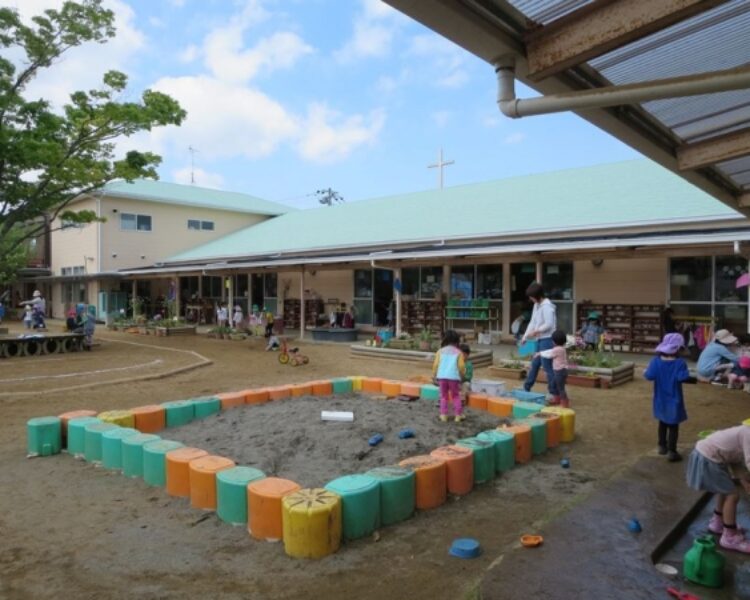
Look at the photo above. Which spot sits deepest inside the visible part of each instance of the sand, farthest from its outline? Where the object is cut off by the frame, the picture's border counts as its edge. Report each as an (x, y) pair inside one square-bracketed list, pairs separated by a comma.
[(287, 438)]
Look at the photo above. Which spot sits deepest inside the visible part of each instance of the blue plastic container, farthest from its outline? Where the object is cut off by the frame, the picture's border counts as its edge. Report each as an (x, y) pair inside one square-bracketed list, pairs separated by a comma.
[(524, 396), (465, 548)]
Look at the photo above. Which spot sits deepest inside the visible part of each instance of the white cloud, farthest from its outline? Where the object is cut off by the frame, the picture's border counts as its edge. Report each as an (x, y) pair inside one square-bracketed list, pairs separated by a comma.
[(156, 22), (514, 138), (224, 119), (202, 178), (329, 136), (177, 3), (189, 54), (440, 117), (375, 26), (491, 120), (446, 61), (82, 67)]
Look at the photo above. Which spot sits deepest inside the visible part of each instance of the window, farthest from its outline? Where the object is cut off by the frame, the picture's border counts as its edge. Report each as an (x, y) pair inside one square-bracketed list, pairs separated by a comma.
[(68, 271), (432, 283), (363, 296), (690, 279), (490, 282), (557, 280), (196, 225), (410, 281), (462, 282), (131, 222)]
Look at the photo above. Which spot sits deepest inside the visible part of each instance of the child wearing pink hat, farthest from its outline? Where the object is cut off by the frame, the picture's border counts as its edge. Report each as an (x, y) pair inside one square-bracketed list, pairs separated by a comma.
[(668, 372), (740, 373)]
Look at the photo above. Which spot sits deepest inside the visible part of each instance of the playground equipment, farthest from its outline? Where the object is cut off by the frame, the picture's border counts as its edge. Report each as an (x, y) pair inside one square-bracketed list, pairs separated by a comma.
[(291, 356)]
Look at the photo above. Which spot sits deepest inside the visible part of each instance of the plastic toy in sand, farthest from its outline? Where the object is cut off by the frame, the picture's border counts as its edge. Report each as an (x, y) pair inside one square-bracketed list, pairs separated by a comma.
[(531, 541), (465, 548)]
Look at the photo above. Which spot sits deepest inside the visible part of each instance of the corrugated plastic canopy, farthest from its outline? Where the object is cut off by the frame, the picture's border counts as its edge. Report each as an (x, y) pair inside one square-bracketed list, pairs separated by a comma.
[(191, 195), (716, 38), (632, 193)]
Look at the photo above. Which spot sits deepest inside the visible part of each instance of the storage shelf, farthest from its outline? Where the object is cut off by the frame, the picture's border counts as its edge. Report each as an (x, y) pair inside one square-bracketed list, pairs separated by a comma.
[(630, 327)]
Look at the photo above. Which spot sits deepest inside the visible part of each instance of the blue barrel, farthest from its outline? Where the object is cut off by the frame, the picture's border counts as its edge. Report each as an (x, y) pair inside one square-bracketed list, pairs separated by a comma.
[(397, 493), (484, 458), (112, 446), (522, 409), (77, 434), (92, 441), (231, 493), (342, 385), (132, 453), (205, 407), (179, 412), (505, 448), (44, 436), (155, 461), (360, 503)]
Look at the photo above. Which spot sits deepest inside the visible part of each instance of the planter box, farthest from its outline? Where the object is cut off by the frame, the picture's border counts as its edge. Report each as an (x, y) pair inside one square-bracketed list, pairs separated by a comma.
[(509, 373), (583, 381), (613, 377), (167, 331), (400, 345)]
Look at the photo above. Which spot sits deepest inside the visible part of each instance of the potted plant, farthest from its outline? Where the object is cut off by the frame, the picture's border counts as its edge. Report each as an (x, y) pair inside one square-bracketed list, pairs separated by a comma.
[(425, 339)]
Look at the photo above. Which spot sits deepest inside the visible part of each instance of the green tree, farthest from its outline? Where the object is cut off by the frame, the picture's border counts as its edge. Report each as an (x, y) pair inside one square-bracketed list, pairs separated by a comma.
[(48, 156)]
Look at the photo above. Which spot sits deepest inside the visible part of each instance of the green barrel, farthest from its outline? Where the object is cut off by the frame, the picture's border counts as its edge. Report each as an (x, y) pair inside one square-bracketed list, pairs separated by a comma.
[(429, 392), (538, 434), (342, 385), (521, 409), (484, 458), (77, 434), (397, 493), (155, 461), (505, 448), (205, 407), (231, 493), (360, 504), (44, 436), (112, 446), (132, 453), (92, 442), (179, 412)]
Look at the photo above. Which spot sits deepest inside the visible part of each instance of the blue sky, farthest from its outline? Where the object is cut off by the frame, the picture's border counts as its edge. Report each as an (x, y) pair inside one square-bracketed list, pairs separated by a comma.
[(286, 97)]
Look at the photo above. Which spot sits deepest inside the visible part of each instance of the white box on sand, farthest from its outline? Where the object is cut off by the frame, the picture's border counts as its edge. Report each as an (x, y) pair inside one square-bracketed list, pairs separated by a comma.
[(333, 415), (491, 387)]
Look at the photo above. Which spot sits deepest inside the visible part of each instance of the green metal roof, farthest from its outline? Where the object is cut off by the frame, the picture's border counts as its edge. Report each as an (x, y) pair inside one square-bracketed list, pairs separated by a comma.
[(625, 194), (191, 195)]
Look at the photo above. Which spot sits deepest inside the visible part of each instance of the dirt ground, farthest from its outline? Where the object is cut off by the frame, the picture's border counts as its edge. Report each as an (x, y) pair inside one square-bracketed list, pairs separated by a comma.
[(69, 527)]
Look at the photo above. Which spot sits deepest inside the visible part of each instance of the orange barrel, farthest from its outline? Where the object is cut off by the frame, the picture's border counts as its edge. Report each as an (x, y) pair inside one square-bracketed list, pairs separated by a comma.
[(301, 389), (150, 418), (459, 468), (322, 388), (178, 470), (500, 407), (411, 389), (431, 477), (522, 437), (280, 392), (67, 416), (554, 427), (231, 399), (311, 523), (391, 388), (123, 418), (257, 396), (372, 384), (264, 507), (567, 421), (478, 401), (203, 472)]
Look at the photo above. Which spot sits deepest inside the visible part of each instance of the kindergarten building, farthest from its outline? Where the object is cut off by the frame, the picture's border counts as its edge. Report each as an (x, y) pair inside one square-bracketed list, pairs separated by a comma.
[(626, 238)]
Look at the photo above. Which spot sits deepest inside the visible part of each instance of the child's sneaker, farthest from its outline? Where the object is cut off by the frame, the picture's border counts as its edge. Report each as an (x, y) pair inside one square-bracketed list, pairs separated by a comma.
[(716, 524), (674, 456), (444, 418), (553, 401), (733, 539), (458, 418)]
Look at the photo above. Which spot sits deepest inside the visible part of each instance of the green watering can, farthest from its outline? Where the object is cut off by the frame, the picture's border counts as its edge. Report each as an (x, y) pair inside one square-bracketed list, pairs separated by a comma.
[(702, 564)]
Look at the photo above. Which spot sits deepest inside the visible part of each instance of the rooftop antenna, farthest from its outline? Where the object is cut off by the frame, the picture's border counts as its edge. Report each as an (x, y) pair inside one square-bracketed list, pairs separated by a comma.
[(192, 151), (440, 165)]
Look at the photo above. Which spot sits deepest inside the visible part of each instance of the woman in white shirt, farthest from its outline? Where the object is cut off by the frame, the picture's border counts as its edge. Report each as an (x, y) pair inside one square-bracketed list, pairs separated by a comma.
[(543, 323)]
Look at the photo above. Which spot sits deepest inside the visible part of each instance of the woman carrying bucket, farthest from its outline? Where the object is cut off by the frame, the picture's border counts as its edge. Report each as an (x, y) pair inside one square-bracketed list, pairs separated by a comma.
[(543, 323)]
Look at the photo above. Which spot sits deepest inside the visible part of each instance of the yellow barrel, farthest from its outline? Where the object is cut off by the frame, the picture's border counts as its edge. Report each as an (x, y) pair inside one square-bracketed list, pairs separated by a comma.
[(311, 522), (356, 383), (123, 418), (567, 421)]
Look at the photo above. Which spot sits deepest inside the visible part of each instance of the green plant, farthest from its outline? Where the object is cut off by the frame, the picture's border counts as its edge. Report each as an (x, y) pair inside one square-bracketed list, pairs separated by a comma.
[(591, 358), (512, 364)]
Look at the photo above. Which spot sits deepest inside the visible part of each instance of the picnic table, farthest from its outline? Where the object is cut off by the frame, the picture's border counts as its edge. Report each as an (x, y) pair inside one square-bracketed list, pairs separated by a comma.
[(37, 344)]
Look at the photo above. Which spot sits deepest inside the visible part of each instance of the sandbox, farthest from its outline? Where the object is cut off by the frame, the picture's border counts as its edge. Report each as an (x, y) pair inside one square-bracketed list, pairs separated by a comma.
[(308, 482)]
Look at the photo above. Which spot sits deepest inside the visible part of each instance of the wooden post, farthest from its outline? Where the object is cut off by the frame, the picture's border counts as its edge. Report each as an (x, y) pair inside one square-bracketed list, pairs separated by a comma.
[(507, 291), (177, 306), (397, 277), (539, 272), (302, 304), (134, 293)]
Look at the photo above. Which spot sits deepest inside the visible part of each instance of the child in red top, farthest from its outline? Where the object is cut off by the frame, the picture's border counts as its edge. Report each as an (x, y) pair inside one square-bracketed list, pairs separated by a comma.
[(559, 357)]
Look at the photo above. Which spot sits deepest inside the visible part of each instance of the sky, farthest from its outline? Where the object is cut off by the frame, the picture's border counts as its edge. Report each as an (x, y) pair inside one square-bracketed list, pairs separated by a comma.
[(287, 97)]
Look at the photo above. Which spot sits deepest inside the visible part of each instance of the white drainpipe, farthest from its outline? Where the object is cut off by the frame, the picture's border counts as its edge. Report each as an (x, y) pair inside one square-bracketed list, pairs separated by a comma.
[(635, 93)]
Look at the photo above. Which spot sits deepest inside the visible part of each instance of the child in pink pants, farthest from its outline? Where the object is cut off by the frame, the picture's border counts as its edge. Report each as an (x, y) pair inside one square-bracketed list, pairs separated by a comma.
[(449, 369)]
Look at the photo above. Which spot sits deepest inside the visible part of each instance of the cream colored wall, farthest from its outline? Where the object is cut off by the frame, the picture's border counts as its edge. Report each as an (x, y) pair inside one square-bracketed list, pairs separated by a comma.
[(70, 246), (169, 234), (324, 285), (626, 281)]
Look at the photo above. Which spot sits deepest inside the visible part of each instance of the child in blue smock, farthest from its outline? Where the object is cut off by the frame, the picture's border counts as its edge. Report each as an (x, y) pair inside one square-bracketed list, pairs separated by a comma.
[(668, 372)]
